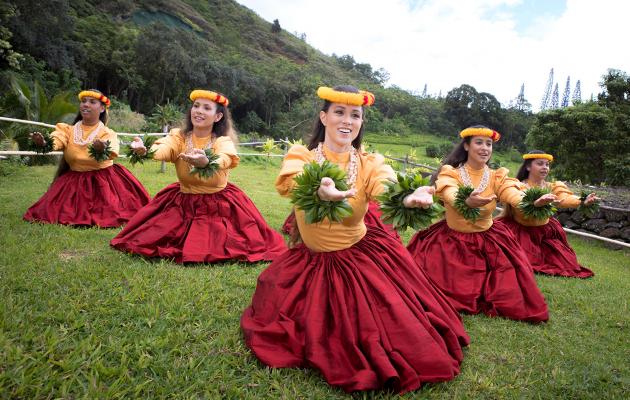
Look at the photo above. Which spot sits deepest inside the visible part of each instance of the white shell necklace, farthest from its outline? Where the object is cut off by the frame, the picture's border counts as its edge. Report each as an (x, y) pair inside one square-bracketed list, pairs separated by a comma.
[(190, 146), (78, 133), (351, 170), (485, 178)]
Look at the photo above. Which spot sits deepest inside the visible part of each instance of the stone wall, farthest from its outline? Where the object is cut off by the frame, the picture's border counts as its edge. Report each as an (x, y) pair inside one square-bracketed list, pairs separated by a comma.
[(612, 223)]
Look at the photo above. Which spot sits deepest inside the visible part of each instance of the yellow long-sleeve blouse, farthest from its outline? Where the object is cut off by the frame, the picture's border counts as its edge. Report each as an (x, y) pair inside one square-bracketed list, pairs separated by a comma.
[(505, 188), (76, 155), (331, 236), (170, 147), (564, 195)]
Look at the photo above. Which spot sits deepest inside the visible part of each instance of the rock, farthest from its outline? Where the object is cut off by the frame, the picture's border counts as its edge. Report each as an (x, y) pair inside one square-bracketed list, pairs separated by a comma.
[(610, 233), (616, 225), (598, 214), (625, 233), (614, 216), (563, 217), (578, 217), (570, 225), (595, 225)]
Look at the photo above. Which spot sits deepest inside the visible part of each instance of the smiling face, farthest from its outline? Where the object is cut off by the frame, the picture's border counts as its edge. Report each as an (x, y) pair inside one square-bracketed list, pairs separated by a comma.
[(90, 109), (343, 124), (538, 169), (479, 150), (203, 114)]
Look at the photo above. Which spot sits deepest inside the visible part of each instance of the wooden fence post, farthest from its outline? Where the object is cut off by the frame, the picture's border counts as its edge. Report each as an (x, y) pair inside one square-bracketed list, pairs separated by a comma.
[(163, 163)]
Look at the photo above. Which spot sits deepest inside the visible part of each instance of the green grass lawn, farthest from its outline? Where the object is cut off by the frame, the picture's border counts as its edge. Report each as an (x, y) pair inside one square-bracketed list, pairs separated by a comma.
[(80, 320)]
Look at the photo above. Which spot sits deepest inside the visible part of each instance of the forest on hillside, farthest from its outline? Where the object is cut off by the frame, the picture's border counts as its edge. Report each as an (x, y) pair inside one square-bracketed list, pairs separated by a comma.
[(148, 55)]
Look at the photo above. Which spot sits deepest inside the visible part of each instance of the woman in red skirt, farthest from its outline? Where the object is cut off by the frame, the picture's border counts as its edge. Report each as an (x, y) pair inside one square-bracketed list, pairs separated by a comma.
[(87, 192), (544, 240), (202, 218), (476, 263), (349, 301)]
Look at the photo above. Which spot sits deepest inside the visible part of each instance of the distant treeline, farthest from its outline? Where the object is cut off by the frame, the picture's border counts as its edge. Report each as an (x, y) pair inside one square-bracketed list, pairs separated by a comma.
[(148, 55)]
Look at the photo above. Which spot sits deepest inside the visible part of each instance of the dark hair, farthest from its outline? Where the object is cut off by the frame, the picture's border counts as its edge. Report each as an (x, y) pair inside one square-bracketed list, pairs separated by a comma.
[(523, 173), (319, 130), (103, 117), (222, 127), (458, 156)]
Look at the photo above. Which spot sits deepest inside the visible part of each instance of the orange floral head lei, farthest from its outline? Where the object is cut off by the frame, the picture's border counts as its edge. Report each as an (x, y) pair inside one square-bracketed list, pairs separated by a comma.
[(481, 131), (97, 95), (210, 95), (544, 156), (363, 98)]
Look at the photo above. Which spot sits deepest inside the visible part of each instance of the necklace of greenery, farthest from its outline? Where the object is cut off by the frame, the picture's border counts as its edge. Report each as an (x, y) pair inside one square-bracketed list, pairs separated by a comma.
[(464, 191), (304, 195), (102, 155), (135, 158), (399, 216), (48, 144), (529, 210), (587, 210), (213, 159)]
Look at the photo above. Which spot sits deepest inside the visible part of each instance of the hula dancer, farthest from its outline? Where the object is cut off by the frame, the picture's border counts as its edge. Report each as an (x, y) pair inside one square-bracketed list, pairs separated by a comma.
[(349, 301), (543, 238), (88, 189), (478, 264), (203, 217)]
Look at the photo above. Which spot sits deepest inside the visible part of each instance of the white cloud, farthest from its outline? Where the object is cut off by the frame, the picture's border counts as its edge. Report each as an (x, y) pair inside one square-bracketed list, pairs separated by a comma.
[(445, 43)]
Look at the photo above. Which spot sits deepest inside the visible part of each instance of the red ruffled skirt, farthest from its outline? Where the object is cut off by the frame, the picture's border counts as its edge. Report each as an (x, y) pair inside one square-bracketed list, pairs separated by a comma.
[(366, 317), (106, 197), (200, 228), (372, 218), (547, 249), (480, 272)]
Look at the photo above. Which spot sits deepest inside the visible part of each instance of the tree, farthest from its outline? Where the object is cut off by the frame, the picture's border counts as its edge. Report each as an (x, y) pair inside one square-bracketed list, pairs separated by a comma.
[(554, 98), (546, 99), (31, 26), (168, 62), (616, 88), (459, 106), (32, 103), (586, 127), (577, 93), (9, 58), (165, 116), (591, 141), (521, 103), (469, 107), (567, 92)]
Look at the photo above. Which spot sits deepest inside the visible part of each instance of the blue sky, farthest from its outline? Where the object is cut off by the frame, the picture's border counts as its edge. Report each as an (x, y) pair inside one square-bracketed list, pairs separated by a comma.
[(493, 45), (529, 14)]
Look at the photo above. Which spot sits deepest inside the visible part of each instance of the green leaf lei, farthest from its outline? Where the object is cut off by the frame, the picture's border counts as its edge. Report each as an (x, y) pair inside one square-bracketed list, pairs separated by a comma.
[(135, 158), (100, 156), (304, 195), (399, 216), (469, 213), (588, 210), (210, 169), (46, 148), (530, 210)]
